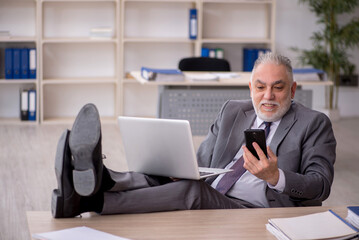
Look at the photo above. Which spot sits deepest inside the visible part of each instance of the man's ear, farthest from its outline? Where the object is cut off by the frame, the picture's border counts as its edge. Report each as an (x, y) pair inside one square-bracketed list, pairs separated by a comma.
[(293, 89), (250, 88)]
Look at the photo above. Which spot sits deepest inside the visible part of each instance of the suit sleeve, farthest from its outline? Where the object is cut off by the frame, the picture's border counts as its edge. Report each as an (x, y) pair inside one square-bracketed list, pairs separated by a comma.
[(313, 180)]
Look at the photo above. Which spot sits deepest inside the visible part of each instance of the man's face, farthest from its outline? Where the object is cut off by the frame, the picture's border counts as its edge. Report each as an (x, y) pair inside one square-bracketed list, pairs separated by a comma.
[(271, 91)]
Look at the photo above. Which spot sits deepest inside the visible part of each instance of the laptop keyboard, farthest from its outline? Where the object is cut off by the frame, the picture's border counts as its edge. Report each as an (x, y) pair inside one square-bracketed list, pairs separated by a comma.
[(205, 173)]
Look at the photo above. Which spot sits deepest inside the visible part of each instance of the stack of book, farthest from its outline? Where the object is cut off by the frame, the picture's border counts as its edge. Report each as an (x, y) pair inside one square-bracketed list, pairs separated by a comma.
[(324, 225), (353, 216)]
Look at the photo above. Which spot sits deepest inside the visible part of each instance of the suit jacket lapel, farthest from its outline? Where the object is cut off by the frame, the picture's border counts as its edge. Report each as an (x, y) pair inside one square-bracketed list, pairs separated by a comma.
[(284, 126), (243, 121)]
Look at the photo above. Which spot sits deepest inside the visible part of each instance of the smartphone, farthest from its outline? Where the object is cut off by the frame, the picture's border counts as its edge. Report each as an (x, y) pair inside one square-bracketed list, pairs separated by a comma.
[(258, 136)]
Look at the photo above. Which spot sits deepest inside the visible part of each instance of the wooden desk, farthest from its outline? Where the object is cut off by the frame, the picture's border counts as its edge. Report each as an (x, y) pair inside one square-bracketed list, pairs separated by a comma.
[(194, 224)]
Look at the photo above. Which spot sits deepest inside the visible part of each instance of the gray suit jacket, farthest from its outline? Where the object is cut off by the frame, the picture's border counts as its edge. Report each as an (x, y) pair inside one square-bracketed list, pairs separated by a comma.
[(304, 144)]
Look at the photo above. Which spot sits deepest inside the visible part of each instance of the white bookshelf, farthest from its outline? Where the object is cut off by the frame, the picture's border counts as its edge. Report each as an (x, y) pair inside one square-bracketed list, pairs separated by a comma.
[(154, 34), (77, 68), (74, 68), (23, 33)]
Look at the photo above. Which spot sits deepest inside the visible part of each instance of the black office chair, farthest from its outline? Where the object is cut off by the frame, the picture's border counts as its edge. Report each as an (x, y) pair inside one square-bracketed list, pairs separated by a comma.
[(204, 64)]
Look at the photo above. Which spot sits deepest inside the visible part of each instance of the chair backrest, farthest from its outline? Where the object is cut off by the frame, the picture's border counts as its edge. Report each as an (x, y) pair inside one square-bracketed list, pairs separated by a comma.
[(203, 64)]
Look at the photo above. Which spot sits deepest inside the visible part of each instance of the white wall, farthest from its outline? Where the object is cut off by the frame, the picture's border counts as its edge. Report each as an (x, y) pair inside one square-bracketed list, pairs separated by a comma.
[(294, 27)]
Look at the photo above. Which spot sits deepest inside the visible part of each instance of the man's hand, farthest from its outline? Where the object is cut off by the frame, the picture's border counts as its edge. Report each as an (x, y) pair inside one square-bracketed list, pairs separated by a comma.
[(265, 168)]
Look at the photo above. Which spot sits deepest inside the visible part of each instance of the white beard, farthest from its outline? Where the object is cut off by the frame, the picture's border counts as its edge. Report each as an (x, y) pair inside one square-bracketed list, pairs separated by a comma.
[(276, 116)]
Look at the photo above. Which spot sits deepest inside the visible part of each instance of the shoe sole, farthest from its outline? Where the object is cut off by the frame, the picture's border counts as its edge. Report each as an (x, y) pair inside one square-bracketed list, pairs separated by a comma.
[(57, 200), (84, 137)]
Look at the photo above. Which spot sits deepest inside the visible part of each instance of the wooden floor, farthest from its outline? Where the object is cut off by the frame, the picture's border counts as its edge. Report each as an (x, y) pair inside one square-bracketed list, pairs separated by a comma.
[(27, 173)]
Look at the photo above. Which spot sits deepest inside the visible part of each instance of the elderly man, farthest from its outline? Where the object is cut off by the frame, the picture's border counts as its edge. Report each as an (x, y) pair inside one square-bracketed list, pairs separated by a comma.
[(297, 172)]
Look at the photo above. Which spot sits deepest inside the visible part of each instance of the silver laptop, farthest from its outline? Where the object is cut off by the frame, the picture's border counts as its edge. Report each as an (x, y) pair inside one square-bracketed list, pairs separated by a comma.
[(161, 147)]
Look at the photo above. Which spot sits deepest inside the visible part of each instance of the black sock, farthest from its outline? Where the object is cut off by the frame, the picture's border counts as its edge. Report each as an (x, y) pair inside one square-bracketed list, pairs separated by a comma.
[(107, 182), (93, 203)]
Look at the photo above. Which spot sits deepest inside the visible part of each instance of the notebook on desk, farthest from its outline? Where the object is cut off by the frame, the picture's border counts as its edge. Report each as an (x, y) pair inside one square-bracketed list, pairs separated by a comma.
[(162, 147)]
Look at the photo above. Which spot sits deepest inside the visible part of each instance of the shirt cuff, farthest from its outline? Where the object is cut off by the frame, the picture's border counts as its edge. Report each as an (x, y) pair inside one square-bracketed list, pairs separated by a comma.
[(281, 182)]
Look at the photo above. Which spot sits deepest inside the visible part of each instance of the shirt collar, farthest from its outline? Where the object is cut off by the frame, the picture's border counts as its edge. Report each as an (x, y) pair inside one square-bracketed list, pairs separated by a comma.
[(259, 122)]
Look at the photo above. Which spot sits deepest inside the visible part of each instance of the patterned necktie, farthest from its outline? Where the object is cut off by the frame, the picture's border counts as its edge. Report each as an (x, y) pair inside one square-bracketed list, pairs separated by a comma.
[(230, 178)]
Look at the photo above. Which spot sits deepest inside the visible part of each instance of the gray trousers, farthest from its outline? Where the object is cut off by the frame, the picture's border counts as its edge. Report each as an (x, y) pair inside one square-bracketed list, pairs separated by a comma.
[(139, 193)]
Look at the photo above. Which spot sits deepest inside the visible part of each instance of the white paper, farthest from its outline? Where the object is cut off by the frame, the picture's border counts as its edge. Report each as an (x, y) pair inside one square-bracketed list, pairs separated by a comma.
[(76, 234), (322, 225), (227, 75), (202, 77)]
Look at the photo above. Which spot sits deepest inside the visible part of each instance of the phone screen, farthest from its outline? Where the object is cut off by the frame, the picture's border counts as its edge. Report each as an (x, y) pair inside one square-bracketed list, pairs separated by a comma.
[(258, 136)]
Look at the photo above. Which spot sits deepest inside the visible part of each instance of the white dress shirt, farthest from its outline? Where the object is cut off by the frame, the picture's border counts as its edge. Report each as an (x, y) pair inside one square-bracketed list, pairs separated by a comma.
[(249, 187)]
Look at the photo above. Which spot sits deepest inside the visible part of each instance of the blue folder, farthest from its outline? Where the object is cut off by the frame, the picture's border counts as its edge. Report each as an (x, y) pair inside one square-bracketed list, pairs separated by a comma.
[(193, 31), (250, 55), (24, 105), (32, 105), (24, 74), (308, 70), (205, 52), (16, 63), (151, 73), (32, 63), (8, 63)]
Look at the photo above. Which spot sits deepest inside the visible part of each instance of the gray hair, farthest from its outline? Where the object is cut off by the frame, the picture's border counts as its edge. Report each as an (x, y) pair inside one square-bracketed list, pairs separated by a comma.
[(277, 59)]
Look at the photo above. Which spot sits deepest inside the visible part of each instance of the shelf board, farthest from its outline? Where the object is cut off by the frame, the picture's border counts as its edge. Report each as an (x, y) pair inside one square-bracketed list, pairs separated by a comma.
[(129, 80), (155, 40), (79, 1), (98, 80), (237, 40), (238, 1), (18, 81), (17, 39), (80, 40), (242, 80), (314, 83), (70, 120), (16, 121), (190, 1)]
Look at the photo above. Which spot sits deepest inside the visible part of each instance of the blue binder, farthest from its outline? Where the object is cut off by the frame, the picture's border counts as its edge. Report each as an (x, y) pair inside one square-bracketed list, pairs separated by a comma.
[(193, 23), (250, 55), (32, 63), (24, 105), (205, 52), (152, 73), (16, 64), (32, 105), (8, 63), (24, 74)]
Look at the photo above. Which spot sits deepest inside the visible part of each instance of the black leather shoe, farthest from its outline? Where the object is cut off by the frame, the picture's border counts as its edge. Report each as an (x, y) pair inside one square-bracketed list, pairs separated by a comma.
[(65, 201), (85, 145)]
